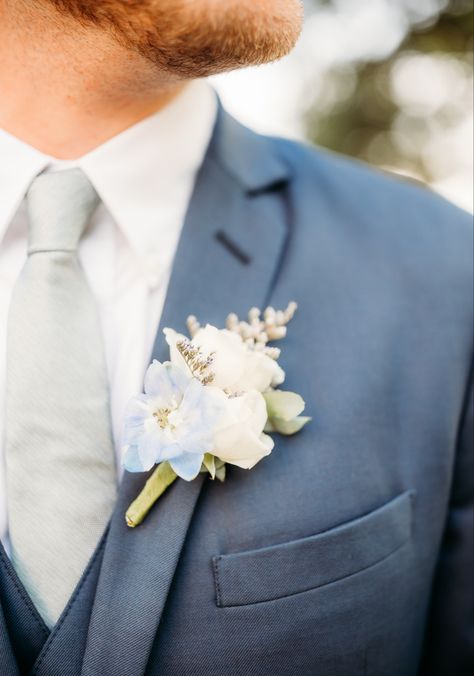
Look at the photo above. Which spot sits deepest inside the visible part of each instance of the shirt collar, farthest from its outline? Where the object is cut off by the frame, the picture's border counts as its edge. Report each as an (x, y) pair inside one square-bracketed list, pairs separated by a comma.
[(150, 168), (19, 164), (137, 173)]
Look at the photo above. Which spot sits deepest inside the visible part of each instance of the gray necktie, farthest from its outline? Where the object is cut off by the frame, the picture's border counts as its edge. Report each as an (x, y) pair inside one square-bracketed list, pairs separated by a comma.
[(61, 481)]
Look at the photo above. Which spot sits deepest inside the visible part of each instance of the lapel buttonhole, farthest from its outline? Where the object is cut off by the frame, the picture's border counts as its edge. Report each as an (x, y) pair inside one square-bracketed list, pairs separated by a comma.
[(233, 248)]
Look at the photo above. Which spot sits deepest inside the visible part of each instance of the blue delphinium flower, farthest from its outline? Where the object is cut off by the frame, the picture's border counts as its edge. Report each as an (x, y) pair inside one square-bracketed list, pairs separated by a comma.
[(174, 420)]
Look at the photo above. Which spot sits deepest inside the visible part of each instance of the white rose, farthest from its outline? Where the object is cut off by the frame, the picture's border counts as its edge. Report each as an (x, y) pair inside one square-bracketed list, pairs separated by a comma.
[(239, 438), (260, 372), (236, 367)]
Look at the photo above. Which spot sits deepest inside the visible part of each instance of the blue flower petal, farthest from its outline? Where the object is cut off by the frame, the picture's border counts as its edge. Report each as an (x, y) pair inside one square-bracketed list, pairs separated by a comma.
[(158, 445), (149, 452), (198, 440), (200, 405), (188, 465), (131, 460), (165, 382), (184, 441), (135, 415)]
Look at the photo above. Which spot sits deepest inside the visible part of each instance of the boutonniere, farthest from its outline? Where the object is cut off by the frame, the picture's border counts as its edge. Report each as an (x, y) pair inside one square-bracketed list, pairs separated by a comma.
[(214, 403)]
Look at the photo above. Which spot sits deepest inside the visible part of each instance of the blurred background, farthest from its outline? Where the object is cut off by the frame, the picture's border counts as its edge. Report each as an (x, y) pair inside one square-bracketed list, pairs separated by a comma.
[(387, 81)]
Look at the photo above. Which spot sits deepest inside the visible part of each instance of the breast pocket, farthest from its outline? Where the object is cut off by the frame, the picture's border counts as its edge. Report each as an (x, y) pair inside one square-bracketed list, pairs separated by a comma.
[(301, 565)]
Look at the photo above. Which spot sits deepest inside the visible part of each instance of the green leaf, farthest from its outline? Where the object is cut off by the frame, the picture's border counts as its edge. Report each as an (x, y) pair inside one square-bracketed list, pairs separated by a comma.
[(268, 429), (209, 463), (220, 469), (287, 427), (283, 405)]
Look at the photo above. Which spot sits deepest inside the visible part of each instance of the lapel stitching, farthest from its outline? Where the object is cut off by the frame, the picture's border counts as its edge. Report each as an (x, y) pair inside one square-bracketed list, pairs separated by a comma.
[(57, 628), (33, 612)]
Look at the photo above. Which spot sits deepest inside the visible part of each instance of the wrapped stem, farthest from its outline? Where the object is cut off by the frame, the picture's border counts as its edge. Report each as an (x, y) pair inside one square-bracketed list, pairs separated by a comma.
[(160, 480)]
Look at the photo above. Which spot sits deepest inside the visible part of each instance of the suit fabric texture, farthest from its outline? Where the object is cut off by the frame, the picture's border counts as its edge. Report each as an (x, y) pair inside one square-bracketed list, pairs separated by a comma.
[(348, 551)]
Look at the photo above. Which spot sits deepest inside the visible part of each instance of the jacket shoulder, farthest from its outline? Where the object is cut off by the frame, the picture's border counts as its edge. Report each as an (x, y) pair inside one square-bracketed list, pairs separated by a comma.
[(386, 213), (364, 190)]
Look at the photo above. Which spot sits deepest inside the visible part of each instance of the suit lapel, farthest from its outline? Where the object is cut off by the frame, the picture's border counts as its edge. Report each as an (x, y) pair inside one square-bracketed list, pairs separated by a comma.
[(227, 258), (64, 649), (19, 619), (8, 664)]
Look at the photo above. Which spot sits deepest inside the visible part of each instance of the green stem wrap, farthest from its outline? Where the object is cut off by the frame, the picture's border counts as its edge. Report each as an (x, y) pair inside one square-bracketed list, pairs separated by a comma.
[(160, 480)]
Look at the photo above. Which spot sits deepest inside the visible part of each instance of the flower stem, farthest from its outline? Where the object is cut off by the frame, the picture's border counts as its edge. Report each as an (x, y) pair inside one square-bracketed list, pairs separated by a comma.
[(160, 480)]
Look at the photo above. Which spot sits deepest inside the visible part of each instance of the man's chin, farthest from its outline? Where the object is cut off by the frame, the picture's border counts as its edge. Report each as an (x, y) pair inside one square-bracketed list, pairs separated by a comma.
[(194, 38), (222, 36)]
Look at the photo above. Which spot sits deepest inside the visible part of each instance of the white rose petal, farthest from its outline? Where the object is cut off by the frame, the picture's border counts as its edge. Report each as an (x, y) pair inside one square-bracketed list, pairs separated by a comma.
[(260, 372), (236, 367), (228, 352), (172, 337), (239, 439)]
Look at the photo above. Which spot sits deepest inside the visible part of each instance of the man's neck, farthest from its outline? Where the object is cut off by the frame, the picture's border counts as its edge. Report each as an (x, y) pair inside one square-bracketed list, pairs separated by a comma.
[(65, 90)]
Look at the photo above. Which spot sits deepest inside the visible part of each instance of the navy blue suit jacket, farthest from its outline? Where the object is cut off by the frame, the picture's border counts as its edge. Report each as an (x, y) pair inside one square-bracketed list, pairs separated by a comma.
[(348, 551)]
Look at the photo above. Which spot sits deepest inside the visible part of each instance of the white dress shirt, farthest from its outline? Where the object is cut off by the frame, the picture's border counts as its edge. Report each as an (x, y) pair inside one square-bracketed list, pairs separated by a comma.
[(144, 177)]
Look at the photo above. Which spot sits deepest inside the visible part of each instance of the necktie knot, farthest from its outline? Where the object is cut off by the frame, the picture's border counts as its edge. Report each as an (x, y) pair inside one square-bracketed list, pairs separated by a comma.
[(60, 205)]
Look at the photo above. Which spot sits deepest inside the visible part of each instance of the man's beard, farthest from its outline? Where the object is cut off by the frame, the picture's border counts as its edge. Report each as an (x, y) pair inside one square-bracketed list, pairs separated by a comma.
[(196, 38)]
